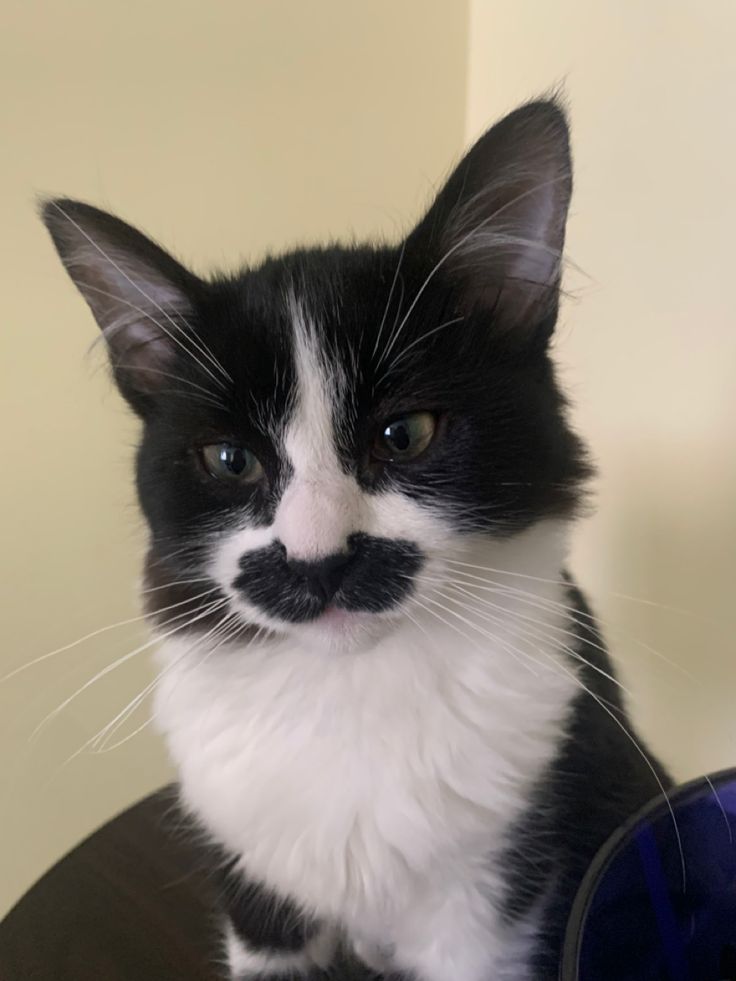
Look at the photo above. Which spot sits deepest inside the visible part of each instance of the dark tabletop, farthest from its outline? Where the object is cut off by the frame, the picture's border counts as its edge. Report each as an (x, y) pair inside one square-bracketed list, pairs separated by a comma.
[(131, 903), (136, 901)]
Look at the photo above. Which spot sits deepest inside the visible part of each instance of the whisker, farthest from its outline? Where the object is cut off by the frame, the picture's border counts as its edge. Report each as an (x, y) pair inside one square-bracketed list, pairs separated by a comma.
[(174, 377), (417, 624), (612, 712), (191, 546), (404, 351), (497, 640), (203, 399), (463, 240), (635, 743), (537, 602), (175, 582), (100, 739), (399, 307), (191, 336), (390, 297), (122, 660), (577, 616), (532, 631), (203, 348), (722, 809), (564, 582), (97, 633), (108, 748), (105, 747)]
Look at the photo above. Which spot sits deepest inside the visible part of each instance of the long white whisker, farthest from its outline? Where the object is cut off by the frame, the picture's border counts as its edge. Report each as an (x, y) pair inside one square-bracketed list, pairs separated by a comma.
[(194, 396), (203, 349), (565, 582), (640, 751), (200, 396), (577, 616), (190, 337), (433, 613), (105, 747), (462, 241), (511, 648), (484, 633), (120, 661), (404, 351), (558, 666), (186, 381), (390, 297), (531, 631), (100, 739), (97, 633), (417, 624), (175, 582), (529, 599), (722, 809)]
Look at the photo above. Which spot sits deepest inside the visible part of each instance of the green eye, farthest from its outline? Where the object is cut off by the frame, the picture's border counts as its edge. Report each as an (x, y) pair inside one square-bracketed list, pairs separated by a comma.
[(406, 437), (235, 464)]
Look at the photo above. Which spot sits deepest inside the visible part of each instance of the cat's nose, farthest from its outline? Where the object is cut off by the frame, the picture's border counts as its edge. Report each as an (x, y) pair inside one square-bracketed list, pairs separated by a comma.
[(323, 576)]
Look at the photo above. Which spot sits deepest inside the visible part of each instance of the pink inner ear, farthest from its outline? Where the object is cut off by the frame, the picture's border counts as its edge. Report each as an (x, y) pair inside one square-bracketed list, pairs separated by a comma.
[(539, 250), (140, 296), (497, 227), (142, 316), (508, 243), (144, 355)]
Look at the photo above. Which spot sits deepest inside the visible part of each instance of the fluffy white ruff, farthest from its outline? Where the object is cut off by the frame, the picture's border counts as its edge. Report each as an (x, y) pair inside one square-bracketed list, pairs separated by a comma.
[(377, 786)]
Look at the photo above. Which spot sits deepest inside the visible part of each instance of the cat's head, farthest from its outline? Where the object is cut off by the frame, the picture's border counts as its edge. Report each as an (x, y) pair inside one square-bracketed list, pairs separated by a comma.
[(326, 430)]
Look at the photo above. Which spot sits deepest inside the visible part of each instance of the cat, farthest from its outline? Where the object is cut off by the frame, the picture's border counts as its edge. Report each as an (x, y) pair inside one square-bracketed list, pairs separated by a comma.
[(387, 700)]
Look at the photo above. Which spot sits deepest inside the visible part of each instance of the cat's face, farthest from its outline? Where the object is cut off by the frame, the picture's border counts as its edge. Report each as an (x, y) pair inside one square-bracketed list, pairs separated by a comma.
[(325, 431)]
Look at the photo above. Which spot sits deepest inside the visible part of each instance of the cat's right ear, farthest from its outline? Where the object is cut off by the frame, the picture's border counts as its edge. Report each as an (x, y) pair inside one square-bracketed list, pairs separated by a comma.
[(496, 230), (142, 299)]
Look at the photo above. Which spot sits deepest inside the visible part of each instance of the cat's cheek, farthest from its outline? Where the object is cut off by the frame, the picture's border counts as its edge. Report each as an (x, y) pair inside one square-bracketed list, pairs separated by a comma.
[(398, 516)]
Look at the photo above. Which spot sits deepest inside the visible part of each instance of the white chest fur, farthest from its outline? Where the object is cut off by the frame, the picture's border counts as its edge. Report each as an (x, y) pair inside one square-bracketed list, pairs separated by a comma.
[(376, 787)]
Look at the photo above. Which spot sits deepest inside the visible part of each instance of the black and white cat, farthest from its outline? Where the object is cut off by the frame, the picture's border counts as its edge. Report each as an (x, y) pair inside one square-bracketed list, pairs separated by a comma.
[(386, 699)]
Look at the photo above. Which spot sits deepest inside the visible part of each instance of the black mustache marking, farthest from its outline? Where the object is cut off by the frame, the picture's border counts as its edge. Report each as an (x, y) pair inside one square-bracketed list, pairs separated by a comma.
[(377, 577)]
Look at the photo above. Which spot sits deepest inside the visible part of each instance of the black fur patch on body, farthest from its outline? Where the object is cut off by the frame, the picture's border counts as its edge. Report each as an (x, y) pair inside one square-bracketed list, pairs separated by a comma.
[(263, 920), (598, 780)]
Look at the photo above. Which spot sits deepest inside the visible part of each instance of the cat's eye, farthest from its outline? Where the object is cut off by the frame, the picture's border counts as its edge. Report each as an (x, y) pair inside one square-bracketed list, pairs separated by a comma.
[(405, 437), (235, 464)]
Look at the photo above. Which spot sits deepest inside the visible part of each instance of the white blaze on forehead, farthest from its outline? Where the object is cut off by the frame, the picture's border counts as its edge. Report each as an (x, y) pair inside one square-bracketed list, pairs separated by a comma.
[(322, 505)]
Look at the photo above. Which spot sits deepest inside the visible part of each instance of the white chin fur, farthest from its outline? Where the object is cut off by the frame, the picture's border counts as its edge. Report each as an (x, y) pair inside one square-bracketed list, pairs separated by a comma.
[(374, 789)]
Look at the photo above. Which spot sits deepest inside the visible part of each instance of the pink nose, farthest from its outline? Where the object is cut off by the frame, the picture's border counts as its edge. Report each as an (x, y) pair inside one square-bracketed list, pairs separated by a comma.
[(314, 520)]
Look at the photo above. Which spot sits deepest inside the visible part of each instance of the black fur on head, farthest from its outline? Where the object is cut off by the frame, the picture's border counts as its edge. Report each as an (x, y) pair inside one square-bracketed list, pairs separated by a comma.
[(455, 320)]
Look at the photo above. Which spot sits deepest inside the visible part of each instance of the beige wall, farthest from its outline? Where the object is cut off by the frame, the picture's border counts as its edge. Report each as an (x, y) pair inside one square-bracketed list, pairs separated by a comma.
[(648, 347), (224, 129), (230, 128)]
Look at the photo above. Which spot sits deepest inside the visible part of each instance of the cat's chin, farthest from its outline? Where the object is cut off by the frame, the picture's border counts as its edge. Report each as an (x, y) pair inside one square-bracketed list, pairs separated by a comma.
[(343, 630)]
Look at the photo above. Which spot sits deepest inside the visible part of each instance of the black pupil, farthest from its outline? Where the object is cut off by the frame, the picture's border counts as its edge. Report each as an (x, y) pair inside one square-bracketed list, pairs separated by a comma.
[(234, 459), (398, 436)]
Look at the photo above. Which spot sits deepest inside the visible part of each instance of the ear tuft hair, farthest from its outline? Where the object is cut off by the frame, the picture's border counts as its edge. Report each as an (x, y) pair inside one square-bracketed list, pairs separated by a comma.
[(497, 227), (142, 298)]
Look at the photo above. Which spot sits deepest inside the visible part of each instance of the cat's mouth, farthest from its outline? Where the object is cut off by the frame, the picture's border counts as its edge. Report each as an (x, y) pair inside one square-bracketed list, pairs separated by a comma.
[(335, 616), (341, 629), (340, 603)]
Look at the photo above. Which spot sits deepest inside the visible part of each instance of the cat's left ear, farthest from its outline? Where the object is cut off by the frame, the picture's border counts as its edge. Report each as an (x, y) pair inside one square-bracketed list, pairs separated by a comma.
[(496, 231)]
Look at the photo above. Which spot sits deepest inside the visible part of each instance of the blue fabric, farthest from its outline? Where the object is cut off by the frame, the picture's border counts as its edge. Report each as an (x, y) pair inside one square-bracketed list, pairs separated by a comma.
[(643, 923)]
